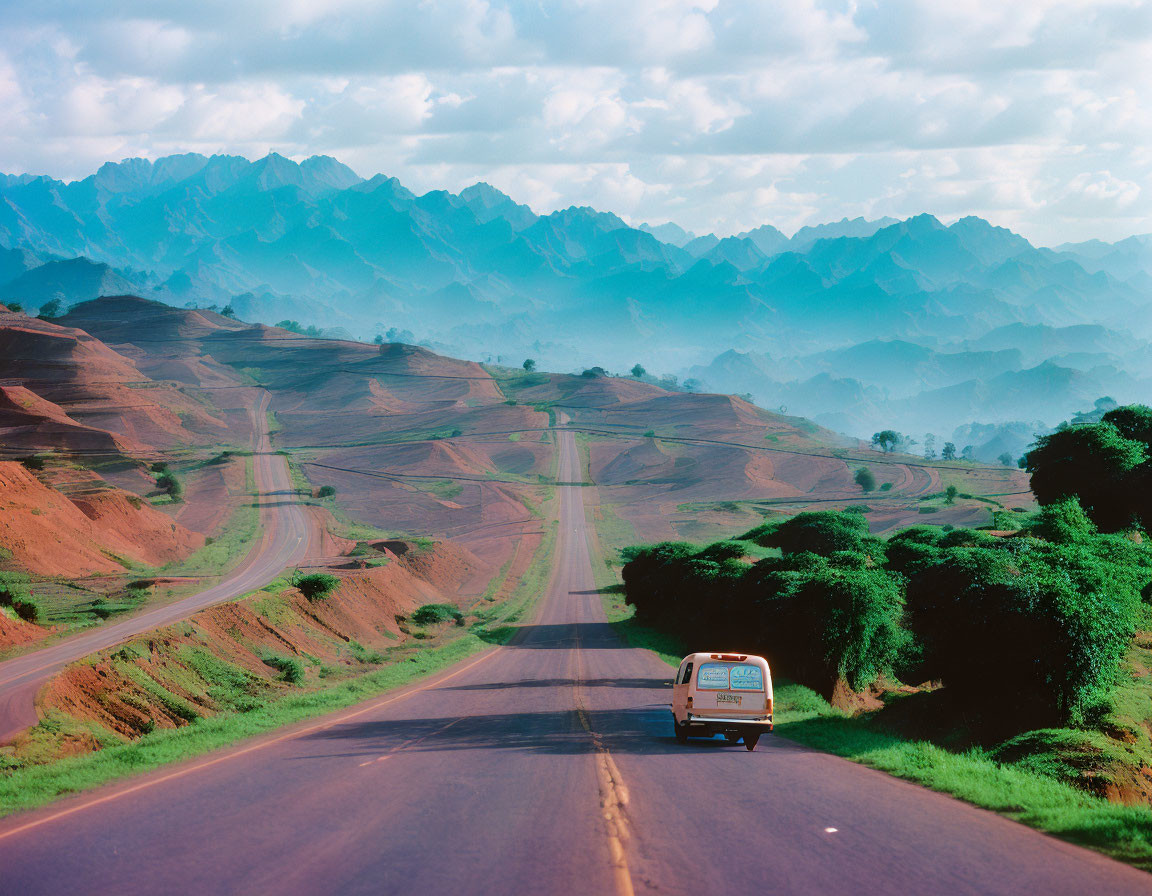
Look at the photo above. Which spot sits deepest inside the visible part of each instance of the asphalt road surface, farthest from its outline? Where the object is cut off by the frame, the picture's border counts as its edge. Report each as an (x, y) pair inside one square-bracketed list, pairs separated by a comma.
[(546, 766), (286, 536)]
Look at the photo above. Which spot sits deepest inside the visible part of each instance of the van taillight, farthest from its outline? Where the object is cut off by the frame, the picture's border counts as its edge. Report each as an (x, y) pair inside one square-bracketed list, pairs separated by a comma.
[(731, 657)]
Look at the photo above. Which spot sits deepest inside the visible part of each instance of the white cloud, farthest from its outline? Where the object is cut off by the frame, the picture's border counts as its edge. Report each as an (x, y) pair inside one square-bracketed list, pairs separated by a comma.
[(720, 114)]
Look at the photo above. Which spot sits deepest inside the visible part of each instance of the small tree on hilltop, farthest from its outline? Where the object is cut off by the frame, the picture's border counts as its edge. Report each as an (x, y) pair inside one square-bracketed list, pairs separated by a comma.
[(50, 309), (1005, 459), (948, 452), (378, 339), (950, 494), (229, 311), (968, 453), (886, 440), (529, 364), (866, 479), (638, 371)]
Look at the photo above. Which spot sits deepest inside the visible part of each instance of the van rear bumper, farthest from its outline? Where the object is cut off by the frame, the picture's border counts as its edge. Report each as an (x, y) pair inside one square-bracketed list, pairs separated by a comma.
[(721, 722)]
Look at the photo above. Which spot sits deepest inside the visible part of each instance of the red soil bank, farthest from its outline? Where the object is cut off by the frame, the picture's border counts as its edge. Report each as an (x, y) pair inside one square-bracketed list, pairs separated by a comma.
[(112, 688), (49, 533)]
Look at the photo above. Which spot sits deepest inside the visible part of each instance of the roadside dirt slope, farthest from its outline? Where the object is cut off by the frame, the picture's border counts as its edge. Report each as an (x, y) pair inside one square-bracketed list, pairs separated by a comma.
[(49, 533)]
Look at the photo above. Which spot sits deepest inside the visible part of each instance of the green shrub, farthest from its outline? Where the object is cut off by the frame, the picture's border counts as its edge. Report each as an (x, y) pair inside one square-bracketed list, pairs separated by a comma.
[(14, 594), (431, 614), (886, 487), (326, 491), (1063, 522), (865, 478), (316, 585), (168, 483), (291, 669), (820, 532)]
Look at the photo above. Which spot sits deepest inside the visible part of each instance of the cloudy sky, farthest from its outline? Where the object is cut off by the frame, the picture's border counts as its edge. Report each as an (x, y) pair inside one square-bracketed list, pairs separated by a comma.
[(719, 115)]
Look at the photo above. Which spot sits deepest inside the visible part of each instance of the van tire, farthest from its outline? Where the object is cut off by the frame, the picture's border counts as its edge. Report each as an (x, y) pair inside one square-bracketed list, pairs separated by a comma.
[(681, 732), (750, 741)]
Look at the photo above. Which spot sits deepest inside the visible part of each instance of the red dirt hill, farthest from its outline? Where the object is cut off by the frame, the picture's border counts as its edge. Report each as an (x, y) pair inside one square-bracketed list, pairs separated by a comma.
[(48, 533)]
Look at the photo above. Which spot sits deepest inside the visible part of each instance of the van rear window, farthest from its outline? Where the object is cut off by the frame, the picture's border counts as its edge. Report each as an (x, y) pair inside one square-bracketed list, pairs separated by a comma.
[(730, 677), (712, 677), (747, 678)]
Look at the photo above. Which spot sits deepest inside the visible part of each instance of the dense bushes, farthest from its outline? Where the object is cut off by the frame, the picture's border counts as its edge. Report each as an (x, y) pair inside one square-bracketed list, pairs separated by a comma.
[(825, 617), (1105, 465), (1027, 630), (821, 532)]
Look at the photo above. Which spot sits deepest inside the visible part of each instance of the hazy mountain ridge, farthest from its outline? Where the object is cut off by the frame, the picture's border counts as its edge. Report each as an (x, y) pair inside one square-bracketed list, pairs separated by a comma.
[(481, 275)]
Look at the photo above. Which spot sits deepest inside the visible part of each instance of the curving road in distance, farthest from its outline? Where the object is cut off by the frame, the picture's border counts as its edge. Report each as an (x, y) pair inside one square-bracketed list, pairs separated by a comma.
[(286, 537)]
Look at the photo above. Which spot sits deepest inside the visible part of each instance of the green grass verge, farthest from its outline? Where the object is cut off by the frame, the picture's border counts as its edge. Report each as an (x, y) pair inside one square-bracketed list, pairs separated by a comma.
[(1122, 832), (27, 788), (35, 785)]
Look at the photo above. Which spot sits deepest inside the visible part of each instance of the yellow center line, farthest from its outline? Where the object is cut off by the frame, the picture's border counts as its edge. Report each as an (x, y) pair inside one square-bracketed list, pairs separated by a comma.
[(613, 792)]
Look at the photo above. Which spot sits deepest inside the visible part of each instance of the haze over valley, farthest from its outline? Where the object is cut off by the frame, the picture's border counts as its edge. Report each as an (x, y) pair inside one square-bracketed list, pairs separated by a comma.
[(965, 331)]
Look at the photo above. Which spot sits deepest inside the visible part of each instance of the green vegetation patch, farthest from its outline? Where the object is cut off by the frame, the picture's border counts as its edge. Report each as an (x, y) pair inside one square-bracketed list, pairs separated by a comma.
[(1021, 792)]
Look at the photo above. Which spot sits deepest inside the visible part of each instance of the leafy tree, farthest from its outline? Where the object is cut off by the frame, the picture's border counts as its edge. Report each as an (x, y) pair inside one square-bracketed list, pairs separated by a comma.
[(378, 339), (968, 453), (638, 371), (593, 372), (950, 494), (326, 491), (1096, 464), (229, 311), (866, 479), (1133, 421), (529, 364), (50, 309), (886, 440), (1005, 459), (929, 447), (948, 452), (292, 326), (16, 307)]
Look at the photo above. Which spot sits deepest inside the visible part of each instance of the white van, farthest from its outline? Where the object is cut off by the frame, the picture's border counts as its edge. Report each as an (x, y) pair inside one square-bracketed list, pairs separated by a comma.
[(722, 693)]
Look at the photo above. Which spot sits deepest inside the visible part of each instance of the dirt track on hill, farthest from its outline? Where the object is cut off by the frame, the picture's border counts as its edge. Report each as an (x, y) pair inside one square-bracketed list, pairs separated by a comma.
[(287, 536), (545, 766)]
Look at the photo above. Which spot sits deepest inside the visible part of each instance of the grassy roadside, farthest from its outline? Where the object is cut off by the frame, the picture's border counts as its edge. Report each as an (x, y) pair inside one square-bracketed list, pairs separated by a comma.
[(1121, 832), (31, 786)]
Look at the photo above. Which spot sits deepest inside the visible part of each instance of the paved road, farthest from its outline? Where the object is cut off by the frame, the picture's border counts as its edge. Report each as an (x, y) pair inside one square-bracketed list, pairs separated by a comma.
[(286, 538), (546, 766)]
